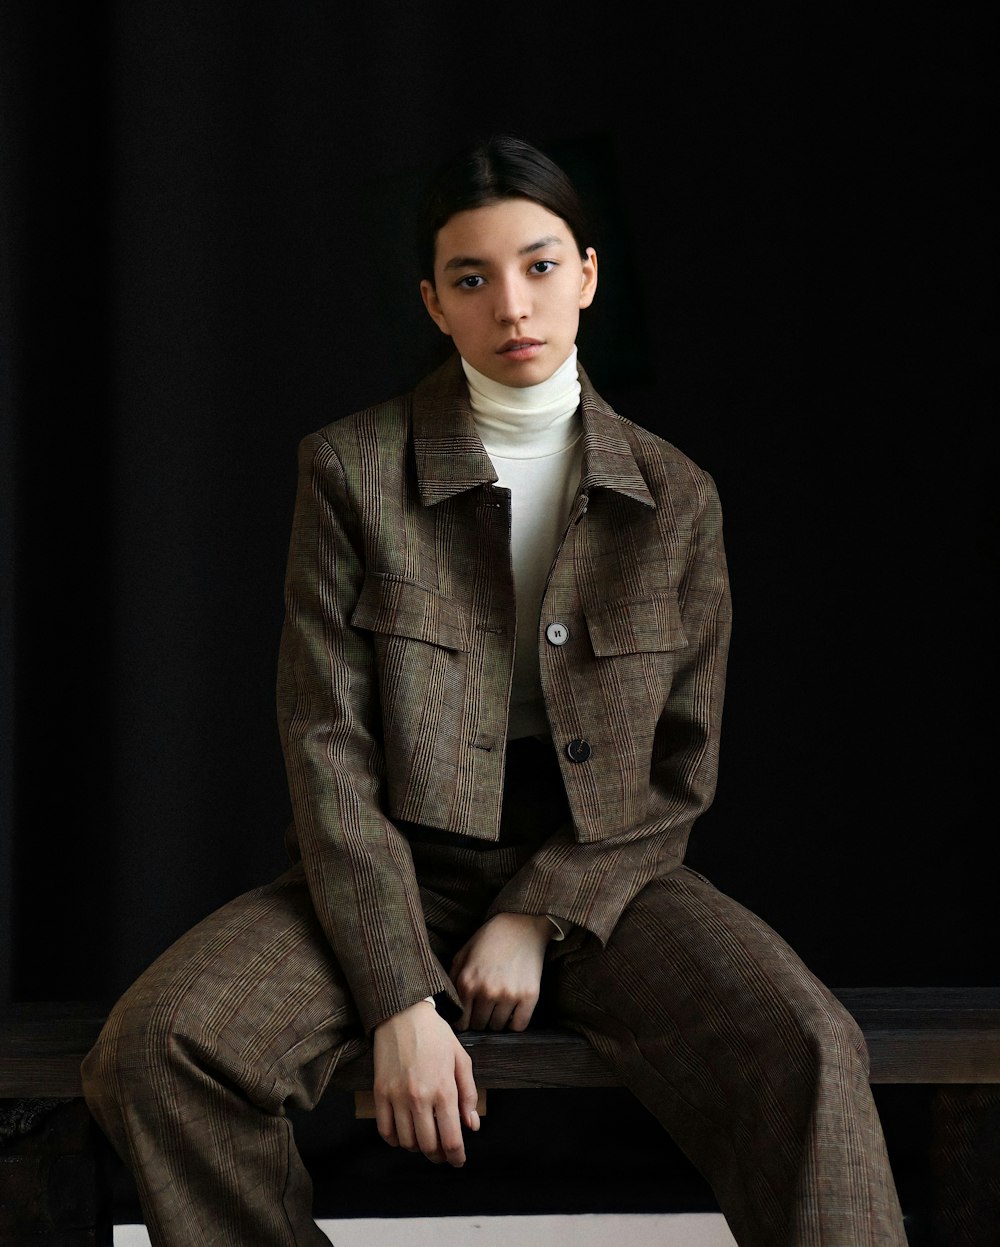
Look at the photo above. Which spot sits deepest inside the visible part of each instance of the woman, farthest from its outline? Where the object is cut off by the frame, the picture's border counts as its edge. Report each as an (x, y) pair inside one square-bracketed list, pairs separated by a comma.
[(500, 689)]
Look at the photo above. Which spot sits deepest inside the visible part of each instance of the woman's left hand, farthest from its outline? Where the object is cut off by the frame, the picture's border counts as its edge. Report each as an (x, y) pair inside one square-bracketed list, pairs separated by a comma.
[(498, 973)]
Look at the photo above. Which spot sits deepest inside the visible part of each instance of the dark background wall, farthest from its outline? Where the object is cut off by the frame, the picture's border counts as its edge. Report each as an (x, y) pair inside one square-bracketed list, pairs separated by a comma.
[(206, 256)]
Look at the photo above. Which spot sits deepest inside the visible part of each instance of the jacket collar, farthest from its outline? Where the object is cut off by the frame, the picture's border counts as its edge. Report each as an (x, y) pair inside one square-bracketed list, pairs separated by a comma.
[(451, 458)]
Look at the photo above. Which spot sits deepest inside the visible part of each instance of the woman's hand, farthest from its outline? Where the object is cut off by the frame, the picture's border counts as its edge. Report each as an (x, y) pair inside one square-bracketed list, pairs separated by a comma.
[(498, 973), (424, 1088)]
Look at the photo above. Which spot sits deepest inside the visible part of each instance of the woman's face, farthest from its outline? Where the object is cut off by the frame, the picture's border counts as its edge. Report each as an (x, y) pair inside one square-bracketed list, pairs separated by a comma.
[(509, 283)]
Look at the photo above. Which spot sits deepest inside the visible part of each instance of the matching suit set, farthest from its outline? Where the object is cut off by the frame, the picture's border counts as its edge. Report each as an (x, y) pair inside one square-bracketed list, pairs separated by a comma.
[(414, 820)]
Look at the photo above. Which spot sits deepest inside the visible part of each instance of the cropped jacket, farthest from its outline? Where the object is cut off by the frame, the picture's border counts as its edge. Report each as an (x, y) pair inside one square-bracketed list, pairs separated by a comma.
[(396, 661)]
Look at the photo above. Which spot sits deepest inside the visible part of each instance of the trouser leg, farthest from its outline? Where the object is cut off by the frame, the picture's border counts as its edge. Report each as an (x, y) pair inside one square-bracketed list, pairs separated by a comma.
[(750, 1063), (247, 1012)]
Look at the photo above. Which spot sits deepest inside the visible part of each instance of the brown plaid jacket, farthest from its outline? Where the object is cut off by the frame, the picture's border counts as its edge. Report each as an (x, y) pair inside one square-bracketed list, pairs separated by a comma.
[(395, 670)]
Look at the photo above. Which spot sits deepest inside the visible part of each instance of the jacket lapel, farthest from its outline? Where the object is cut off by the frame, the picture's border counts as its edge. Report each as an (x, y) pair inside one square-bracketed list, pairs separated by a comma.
[(449, 454), (451, 458), (608, 460)]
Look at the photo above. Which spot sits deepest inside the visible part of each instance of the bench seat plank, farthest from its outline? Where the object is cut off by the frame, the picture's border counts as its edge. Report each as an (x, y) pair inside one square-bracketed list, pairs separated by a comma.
[(914, 1035)]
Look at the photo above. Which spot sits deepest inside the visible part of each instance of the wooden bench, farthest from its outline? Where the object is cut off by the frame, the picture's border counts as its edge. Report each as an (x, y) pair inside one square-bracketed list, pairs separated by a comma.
[(947, 1038)]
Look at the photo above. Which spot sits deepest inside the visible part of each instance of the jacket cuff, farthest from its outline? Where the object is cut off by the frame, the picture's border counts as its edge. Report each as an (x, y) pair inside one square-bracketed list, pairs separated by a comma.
[(441, 994), (586, 885)]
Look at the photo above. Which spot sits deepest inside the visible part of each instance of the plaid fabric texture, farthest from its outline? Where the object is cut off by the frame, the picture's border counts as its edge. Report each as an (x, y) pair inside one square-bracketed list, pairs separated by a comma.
[(708, 1016), (396, 663), (413, 821)]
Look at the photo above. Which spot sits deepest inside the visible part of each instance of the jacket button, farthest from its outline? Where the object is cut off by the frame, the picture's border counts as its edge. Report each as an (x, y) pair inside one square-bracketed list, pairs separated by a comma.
[(578, 751), (557, 633)]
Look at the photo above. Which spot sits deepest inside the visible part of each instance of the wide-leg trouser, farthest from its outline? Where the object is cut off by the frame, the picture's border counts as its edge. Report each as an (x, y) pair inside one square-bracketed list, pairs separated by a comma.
[(709, 1017), (707, 1014)]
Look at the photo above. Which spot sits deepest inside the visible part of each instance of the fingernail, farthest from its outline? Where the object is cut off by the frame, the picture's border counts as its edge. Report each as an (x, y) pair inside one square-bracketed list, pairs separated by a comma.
[(475, 1120)]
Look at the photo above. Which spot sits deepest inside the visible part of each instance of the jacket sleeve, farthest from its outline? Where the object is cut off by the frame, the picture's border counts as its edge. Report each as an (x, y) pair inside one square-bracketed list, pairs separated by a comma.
[(591, 884), (358, 865)]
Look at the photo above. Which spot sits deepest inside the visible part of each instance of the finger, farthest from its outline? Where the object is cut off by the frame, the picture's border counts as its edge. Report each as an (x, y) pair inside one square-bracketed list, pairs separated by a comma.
[(503, 1007), (467, 996), (468, 1093), (521, 1016), (428, 1140), (385, 1121), (449, 1132), (405, 1130), (481, 1012), (500, 1016)]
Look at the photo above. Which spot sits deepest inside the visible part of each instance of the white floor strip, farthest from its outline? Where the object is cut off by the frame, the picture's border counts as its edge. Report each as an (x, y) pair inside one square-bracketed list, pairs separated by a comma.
[(646, 1230)]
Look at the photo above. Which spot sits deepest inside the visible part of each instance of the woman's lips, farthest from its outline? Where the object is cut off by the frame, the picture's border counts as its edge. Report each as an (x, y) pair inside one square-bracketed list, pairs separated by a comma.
[(521, 348)]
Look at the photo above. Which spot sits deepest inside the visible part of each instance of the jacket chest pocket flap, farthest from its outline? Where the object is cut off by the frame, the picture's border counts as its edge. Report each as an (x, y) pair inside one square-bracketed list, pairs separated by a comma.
[(393, 606), (647, 625)]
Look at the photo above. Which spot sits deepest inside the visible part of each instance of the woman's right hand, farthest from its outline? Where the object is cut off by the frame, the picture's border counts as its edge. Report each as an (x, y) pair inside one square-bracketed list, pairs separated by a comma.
[(424, 1088)]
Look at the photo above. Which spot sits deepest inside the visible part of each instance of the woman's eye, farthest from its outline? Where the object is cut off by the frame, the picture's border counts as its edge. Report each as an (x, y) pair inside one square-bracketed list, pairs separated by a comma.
[(543, 266), (471, 282)]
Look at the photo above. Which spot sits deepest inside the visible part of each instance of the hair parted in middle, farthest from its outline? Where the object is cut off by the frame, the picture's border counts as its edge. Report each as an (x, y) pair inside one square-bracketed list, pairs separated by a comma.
[(503, 166)]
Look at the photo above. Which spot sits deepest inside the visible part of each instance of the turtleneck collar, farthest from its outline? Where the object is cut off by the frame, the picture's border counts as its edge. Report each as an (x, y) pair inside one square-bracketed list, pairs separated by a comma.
[(529, 421)]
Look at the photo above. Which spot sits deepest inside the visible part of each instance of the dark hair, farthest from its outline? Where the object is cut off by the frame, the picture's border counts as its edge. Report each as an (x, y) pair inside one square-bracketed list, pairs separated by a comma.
[(500, 167)]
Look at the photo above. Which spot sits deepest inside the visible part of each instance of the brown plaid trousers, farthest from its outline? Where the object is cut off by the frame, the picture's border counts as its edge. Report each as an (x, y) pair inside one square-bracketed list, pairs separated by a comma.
[(413, 822)]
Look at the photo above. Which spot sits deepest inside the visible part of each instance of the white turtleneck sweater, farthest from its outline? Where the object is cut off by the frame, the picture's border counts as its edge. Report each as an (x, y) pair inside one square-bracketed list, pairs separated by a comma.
[(534, 438)]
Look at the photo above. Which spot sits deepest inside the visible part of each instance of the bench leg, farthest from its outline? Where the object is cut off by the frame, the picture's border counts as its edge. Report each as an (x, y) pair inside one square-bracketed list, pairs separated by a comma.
[(51, 1188), (965, 1165)]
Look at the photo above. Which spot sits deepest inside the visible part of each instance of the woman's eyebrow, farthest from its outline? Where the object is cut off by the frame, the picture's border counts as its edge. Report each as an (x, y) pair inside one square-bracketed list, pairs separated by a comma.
[(465, 261), (471, 261), (547, 241)]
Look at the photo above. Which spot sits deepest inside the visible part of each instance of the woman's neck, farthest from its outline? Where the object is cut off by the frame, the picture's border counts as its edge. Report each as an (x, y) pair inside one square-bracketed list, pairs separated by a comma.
[(524, 422)]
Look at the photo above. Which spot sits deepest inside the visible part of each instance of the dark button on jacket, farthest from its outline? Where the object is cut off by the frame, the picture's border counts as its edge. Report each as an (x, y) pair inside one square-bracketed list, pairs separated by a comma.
[(396, 660)]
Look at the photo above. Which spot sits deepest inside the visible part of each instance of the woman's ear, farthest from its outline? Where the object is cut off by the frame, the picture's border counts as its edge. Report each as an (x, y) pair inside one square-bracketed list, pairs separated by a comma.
[(588, 282), (429, 296)]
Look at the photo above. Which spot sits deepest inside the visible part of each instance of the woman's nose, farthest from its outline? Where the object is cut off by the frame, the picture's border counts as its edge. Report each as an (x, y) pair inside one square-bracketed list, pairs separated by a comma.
[(513, 303)]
